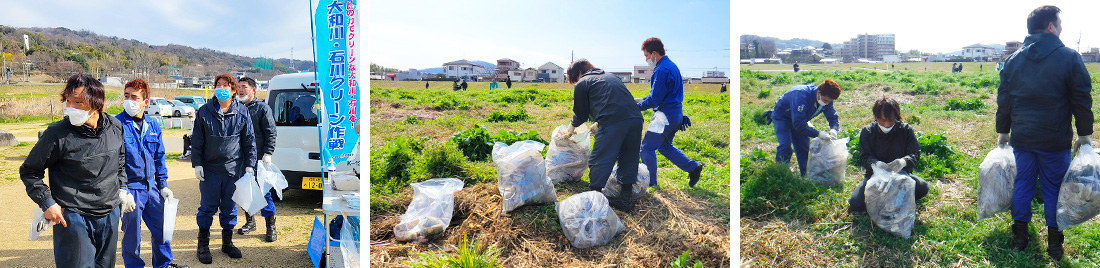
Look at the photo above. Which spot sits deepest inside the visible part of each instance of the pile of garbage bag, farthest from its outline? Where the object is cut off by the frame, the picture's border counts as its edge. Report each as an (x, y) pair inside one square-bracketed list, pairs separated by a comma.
[(567, 157), (891, 201), (587, 220), (612, 187), (1079, 197), (430, 211), (828, 161), (521, 175), (996, 177)]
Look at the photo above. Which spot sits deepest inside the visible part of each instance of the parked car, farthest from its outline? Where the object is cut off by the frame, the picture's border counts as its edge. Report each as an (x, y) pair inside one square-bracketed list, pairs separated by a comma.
[(193, 101), (181, 109), (294, 104), (159, 107)]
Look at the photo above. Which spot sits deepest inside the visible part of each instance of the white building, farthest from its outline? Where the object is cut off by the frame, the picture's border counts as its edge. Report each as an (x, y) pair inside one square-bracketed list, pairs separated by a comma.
[(642, 73), (463, 68), (979, 52), (530, 74), (624, 76), (714, 74), (552, 73)]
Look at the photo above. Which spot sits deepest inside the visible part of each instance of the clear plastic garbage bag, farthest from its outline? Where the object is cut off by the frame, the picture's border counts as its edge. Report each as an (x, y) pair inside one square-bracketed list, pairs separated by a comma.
[(567, 157), (827, 161), (587, 220), (612, 187), (171, 206), (430, 211), (658, 123), (273, 176), (891, 201), (521, 175), (996, 177), (1079, 197), (248, 194)]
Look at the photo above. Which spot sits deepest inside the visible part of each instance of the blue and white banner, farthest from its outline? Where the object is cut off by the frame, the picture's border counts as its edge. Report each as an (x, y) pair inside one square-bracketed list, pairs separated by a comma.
[(337, 23)]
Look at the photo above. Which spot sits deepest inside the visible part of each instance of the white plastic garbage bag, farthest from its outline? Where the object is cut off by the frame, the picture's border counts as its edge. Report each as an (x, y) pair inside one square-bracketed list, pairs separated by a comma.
[(171, 206), (344, 181), (658, 123), (521, 175), (273, 177), (612, 187), (1079, 197), (891, 201), (430, 211), (248, 194), (996, 177), (567, 157), (39, 224), (587, 220), (828, 161)]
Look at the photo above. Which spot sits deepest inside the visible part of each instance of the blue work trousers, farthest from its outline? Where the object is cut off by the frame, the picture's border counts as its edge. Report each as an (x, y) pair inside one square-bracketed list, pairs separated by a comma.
[(1047, 168), (150, 208), (662, 142), (216, 193), (787, 136), (615, 143), (88, 241)]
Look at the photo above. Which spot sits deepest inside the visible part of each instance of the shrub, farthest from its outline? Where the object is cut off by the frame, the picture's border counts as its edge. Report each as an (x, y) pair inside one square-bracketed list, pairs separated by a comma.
[(519, 114), (954, 104), (390, 167), (441, 160)]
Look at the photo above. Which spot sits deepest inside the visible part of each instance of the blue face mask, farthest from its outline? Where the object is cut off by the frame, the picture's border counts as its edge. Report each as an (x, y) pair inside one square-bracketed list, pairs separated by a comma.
[(222, 94)]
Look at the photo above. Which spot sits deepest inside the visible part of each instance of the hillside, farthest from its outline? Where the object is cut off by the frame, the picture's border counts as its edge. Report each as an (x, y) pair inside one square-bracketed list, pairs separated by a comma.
[(59, 52)]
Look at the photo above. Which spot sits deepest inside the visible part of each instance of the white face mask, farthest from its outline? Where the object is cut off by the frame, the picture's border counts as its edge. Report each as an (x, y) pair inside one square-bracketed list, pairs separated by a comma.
[(652, 63), (820, 102), (76, 116), (131, 107), (243, 98), (886, 129)]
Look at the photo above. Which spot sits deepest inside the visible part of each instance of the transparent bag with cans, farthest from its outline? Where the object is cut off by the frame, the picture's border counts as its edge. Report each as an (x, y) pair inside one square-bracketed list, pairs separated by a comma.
[(827, 161), (1079, 197), (891, 201), (567, 157), (612, 187), (587, 220), (521, 175), (430, 211), (996, 177)]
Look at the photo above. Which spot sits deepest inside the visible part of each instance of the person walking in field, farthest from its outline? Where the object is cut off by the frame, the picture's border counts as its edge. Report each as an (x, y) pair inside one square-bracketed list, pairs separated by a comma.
[(602, 97), (1044, 89), (666, 95), (791, 119)]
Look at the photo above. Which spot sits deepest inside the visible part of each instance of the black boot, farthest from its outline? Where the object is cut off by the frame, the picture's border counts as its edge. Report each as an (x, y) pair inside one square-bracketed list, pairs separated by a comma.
[(271, 236), (1020, 235), (1054, 243), (694, 175), (204, 246), (625, 201), (227, 244), (249, 224)]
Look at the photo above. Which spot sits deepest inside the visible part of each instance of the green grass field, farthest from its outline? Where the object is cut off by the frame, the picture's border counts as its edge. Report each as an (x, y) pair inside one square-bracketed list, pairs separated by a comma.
[(787, 222), (405, 117)]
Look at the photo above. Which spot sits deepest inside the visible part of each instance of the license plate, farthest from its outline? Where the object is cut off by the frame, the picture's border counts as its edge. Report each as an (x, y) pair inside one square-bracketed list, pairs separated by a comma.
[(311, 183)]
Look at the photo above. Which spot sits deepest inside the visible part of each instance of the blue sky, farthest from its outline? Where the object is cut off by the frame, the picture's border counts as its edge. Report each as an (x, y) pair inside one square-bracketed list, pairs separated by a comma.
[(425, 34), (268, 29)]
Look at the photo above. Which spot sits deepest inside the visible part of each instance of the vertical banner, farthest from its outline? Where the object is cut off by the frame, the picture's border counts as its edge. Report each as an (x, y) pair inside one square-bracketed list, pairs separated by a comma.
[(337, 49)]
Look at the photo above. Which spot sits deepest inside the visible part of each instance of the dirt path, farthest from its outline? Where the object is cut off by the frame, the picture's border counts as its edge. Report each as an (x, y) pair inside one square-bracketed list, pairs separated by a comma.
[(295, 217)]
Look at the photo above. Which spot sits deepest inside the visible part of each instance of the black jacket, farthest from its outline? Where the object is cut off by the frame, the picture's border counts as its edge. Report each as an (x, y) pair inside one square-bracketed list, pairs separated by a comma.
[(87, 167), (263, 124), (1042, 85), (603, 97), (901, 142), (223, 143)]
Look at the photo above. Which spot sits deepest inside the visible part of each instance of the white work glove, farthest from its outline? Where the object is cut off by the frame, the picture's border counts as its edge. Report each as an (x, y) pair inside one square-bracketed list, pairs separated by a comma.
[(249, 170), (638, 100), (198, 173), (166, 194), (1081, 140), (881, 165), (832, 132), (896, 165), (1002, 139), (267, 159), (825, 136), (569, 131), (593, 128), (128, 203)]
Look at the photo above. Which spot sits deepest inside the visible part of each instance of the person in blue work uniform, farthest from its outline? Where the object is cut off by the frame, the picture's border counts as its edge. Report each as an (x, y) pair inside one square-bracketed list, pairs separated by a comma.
[(223, 150), (1043, 85), (86, 159), (604, 98), (791, 119), (666, 95), (263, 123), (147, 179)]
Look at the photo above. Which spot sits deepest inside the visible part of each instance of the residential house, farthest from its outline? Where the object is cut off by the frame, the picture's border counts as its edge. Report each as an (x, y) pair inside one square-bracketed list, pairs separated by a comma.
[(1010, 48), (503, 66), (462, 68), (624, 76), (530, 74), (553, 72), (642, 73), (979, 52)]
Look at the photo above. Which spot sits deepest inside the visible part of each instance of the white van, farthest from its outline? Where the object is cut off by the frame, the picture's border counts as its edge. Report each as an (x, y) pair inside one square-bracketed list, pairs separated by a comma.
[(159, 107), (294, 104)]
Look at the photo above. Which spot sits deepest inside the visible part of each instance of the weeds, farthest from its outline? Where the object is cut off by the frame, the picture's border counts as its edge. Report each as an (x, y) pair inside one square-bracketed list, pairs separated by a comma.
[(467, 255), (517, 115), (954, 104)]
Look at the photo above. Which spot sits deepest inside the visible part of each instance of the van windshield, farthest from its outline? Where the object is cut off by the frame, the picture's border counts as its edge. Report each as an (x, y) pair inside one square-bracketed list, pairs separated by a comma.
[(295, 107)]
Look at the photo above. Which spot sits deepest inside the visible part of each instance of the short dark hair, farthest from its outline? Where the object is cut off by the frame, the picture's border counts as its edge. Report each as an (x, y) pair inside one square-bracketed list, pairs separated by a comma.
[(829, 88), (93, 90), (653, 44), (577, 69), (885, 108), (138, 84), (228, 78), (1039, 18), (251, 82)]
